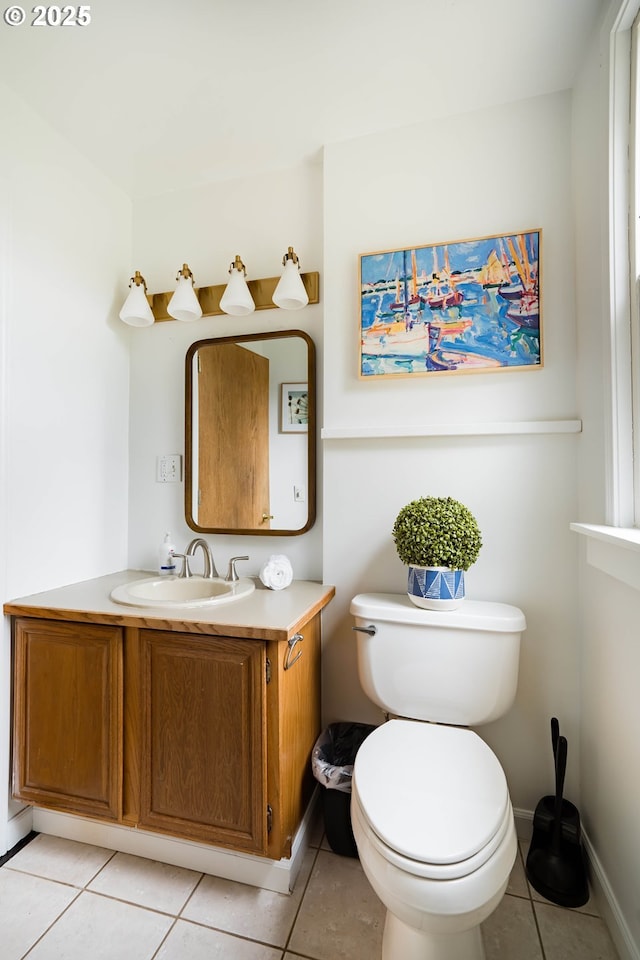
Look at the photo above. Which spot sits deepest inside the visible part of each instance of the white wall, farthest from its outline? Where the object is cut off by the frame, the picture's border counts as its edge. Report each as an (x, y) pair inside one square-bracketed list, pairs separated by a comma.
[(206, 227), (64, 248), (609, 611), (504, 169)]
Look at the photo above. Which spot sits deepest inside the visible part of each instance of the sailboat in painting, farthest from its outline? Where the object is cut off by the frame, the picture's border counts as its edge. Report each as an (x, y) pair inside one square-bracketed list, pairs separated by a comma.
[(511, 288), (523, 296), (442, 291), (407, 288), (494, 272)]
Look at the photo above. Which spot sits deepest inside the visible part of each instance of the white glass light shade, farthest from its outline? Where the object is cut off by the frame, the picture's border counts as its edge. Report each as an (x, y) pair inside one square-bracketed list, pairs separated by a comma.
[(136, 310), (290, 294), (236, 299), (184, 304)]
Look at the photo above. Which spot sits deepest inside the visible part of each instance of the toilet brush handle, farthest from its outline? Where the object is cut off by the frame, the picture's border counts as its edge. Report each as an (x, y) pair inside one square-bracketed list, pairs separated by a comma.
[(555, 733), (561, 766)]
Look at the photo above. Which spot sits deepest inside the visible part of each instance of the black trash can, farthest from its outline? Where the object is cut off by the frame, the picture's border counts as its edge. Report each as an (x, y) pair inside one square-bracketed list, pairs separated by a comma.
[(332, 762)]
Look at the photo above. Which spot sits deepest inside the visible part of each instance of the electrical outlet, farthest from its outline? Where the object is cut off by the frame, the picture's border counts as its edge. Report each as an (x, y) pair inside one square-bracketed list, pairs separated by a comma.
[(169, 468)]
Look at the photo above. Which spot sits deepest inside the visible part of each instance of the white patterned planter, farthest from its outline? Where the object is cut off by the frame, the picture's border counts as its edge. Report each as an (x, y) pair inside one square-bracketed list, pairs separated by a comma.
[(435, 588)]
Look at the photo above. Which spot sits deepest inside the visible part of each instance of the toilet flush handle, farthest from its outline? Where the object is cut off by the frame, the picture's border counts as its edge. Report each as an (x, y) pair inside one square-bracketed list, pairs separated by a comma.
[(370, 630)]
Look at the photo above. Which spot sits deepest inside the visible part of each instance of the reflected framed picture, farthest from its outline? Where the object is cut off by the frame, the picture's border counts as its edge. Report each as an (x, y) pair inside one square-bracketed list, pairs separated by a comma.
[(464, 306), (294, 408)]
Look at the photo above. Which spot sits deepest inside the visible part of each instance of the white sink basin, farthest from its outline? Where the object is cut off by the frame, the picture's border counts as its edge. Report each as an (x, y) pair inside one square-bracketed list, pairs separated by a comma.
[(178, 593)]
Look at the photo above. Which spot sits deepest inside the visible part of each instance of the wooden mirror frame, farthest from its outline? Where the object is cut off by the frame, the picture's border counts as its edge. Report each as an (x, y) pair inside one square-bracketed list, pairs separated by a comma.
[(311, 433)]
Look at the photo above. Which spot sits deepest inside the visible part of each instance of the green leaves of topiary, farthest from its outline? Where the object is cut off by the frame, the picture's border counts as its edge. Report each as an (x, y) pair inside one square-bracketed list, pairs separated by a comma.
[(437, 532)]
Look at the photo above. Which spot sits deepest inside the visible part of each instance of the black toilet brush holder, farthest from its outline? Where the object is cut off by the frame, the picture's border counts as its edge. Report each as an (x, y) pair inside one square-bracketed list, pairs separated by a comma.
[(556, 864)]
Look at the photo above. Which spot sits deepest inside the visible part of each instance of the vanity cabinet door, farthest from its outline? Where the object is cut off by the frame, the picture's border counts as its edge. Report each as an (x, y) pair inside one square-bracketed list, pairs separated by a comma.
[(67, 746), (203, 738)]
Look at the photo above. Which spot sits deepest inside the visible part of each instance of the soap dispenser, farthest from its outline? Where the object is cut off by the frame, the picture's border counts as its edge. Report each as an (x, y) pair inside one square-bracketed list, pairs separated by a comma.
[(166, 559)]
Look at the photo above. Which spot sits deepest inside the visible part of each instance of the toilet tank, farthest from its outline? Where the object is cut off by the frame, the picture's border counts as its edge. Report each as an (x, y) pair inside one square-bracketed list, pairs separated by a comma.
[(456, 666)]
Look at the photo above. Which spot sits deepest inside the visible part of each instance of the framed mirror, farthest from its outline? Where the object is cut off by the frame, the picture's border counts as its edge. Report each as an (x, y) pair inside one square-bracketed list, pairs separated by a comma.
[(250, 434)]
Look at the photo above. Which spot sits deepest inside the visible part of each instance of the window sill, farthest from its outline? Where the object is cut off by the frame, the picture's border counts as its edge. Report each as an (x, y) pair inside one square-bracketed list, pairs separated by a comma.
[(613, 550)]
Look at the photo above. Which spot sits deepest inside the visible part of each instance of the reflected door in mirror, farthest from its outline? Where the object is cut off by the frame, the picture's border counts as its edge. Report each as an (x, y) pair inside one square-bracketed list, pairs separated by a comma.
[(233, 430)]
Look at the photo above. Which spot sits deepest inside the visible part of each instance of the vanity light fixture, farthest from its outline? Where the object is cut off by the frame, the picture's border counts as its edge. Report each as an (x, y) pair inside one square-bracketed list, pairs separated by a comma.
[(136, 310), (184, 304), (236, 299), (290, 294)]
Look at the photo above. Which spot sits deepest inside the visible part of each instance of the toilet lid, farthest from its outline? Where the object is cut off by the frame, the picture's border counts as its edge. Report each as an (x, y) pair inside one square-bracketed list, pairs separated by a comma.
[(433, 793)]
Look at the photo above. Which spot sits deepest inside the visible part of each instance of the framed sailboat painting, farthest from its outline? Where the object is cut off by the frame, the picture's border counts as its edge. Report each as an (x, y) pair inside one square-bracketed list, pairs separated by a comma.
[(466, 306)]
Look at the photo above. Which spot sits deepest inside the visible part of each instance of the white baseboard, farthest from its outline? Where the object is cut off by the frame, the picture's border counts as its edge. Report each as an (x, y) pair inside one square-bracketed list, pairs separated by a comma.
[(524, 823), (277, 875), (601, 888), (18, 827), (609, 906)]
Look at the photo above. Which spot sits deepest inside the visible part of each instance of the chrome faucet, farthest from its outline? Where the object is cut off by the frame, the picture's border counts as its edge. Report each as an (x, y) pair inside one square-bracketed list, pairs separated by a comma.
[(209, 563), (232, 573)]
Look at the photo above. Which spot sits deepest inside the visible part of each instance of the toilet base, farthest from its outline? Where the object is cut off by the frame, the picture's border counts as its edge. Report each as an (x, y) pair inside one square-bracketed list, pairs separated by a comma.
[(400, 940)]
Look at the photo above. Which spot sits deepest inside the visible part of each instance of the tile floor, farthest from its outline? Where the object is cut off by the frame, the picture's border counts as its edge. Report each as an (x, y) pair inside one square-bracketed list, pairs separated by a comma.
[(62, 900)]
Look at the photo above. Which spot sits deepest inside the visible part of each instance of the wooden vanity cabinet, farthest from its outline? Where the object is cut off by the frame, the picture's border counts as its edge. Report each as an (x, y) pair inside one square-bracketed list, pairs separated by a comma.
[(186, 733), (67, 745)]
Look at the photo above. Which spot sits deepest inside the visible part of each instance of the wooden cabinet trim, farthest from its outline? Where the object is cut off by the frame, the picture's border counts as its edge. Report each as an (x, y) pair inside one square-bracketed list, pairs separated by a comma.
[(132, 738)]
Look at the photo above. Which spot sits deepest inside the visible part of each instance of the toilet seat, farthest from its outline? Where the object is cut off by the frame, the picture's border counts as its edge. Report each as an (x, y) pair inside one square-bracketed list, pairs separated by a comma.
[(435, 797)]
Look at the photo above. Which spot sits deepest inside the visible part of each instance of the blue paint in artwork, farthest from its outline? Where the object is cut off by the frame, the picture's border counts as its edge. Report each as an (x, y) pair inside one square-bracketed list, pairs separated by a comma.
[(463, 256)]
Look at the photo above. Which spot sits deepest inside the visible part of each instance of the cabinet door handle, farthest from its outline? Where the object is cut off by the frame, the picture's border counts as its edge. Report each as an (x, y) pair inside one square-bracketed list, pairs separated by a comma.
[(291, 643)]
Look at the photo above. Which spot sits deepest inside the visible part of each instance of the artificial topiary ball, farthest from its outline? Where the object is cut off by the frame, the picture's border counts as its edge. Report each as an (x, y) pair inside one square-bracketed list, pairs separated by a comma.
[(437, 532)]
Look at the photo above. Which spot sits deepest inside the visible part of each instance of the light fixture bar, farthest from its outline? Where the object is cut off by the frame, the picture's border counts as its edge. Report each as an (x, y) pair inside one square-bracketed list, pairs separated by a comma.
[(261, 290)]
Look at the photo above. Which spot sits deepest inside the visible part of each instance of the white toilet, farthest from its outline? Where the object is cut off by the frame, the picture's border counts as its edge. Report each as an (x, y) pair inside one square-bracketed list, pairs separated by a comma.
[(430, 807)]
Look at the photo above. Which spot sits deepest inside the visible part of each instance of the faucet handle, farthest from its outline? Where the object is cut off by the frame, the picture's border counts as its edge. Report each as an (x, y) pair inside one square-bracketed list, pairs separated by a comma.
[(185, 571), (232, 573)]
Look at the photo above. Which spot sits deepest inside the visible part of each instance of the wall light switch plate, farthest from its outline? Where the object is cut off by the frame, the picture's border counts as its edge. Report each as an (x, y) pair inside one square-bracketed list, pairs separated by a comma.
[(169, 468), (299, 493)]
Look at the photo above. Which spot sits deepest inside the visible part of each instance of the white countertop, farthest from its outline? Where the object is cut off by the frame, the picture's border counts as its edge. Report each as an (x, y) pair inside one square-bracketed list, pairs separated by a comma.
[(264, 614)]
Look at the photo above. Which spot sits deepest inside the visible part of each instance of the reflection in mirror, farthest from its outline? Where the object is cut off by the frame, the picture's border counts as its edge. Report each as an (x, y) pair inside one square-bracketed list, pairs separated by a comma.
[(250, 434)]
